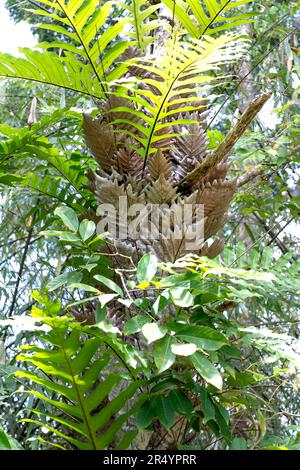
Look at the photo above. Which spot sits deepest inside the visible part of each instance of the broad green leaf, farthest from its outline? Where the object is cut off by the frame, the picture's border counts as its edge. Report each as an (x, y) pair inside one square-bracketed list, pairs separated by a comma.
[(7, 442), (81, 286), (68, 216), (135, 324), (238, 444), (181, 403), (181, 297), (165, 411), (153, 332), (62, 279), (65, 236), (110, 284), (207, 370), (164, 358), (203, 337), (184, 349), (146, 267), (207, 405), (87, 229), (146, 414)]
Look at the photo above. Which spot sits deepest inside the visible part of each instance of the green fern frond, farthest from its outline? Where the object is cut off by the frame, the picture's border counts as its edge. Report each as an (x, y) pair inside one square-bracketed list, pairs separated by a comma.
[(85, 58), (69, 180), (141, 21), (84, 22), (201, 17), (78, 382), (48, 68), (173, 83), (46, 185)]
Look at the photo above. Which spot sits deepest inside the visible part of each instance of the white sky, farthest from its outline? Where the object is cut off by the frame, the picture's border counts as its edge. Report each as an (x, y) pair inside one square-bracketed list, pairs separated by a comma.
[(13, 35)]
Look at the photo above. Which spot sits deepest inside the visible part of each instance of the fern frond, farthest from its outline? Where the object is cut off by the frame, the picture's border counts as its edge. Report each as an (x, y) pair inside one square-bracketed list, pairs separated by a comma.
[(178, 77), (83, 63), (201, 17), (141, 21), (68, 181), (48, 68), (46, 185), (83, 22), (80, 371)]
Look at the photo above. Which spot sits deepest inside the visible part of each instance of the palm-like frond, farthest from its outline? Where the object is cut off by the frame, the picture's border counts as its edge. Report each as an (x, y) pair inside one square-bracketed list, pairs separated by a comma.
[(142, 24), (60, 178), (177, 79), (48, 68), (84, 60), (201, 17), (83, 22), (88, 414)]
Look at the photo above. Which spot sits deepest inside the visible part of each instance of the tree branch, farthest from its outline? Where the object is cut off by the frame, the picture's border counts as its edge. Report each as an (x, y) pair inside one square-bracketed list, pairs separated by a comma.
[(226, 145)]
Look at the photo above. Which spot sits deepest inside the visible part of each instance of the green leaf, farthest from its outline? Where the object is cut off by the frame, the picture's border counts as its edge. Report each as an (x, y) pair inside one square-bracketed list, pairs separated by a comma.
[(153, 332), (65, 278), (181, 297), (203, 337), (110, 284), (68, 216), (64, 236), (207, 405), (100, 313), (84, 287), (207, 370), (165, 411), (181, 403), (146, 414), (146, 267), (87, 229), (135, 324), (7, 442), (163, 356), (184, 349), (238, 444), (70, 362), (207, 16)]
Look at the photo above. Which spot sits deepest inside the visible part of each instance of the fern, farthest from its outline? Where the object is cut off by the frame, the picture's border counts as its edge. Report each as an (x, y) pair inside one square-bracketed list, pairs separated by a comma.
[(141, 24), (84, 66), (172, 84), (201, 17), (77, 377), (68, 182)]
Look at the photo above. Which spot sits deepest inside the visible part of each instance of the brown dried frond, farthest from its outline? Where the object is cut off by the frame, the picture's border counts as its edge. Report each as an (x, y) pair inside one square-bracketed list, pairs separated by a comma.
[(166, 140), (218, 172), (100, 139), (216, 198), (192, 143), (114, 102), (158, 165), (160, 191), (109, 192), (128, 162)]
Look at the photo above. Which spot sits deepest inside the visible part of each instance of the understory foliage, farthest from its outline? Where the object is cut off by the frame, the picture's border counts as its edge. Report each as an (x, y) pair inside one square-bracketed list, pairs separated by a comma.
[(149, 344)]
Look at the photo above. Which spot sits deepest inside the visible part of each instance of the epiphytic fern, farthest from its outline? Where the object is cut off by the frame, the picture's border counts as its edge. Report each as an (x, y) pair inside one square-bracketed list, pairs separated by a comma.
[(201, 17), (77, 379), (83, 63), (140, 18), (60, 177), (180, 73)]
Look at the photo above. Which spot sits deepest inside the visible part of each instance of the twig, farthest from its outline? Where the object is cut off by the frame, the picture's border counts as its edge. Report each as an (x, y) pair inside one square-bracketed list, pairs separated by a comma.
[(22, 264), (226, 145)]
